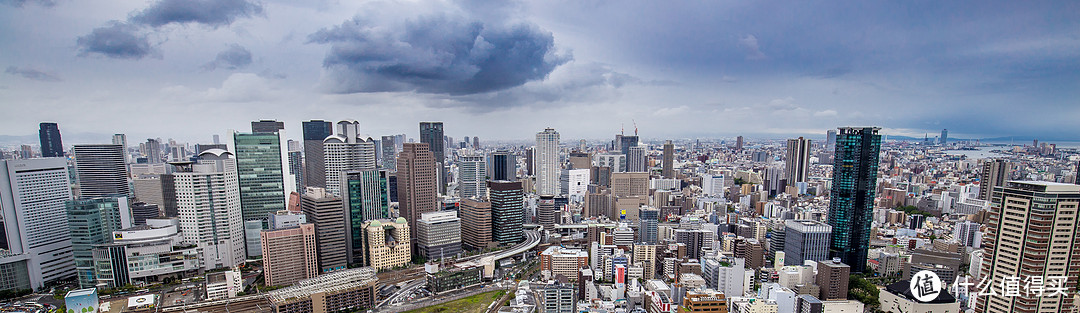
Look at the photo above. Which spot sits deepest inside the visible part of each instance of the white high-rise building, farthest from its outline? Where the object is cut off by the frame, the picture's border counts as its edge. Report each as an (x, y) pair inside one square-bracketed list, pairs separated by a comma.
[(577, 183), (712, 184), (798, 161), (36, 247), (472, 177), (616, 161), (346, 151), (547, 162), (208, 202)]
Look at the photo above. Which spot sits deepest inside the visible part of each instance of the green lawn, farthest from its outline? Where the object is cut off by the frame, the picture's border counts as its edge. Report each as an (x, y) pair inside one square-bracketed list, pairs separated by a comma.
[(472, 304)]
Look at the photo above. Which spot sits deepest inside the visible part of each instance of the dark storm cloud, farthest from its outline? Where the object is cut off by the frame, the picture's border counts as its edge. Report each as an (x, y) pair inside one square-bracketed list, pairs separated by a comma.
[(33, 74), (21, 3), (117, 40), (440, 54), (234, 57), (213, 13)]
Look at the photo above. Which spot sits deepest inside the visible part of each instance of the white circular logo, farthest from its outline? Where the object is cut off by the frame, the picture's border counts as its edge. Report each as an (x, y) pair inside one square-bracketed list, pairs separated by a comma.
[(925, 286)]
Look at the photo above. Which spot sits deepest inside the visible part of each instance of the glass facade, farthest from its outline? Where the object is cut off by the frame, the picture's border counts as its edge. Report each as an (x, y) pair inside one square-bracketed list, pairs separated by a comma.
[(91, 222), (366, 198), (258, 165), (507, 211), (851, 207)]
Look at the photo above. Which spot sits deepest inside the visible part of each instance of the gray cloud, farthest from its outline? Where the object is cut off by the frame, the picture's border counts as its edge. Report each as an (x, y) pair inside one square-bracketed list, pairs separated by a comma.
[(213, 13), (234, 57), (34, 74), (749, 43), (117, 40), (439, 54), (21, 3)]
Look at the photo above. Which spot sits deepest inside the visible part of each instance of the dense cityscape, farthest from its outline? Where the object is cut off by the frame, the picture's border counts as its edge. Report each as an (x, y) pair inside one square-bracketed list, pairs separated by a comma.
[(256, 221)]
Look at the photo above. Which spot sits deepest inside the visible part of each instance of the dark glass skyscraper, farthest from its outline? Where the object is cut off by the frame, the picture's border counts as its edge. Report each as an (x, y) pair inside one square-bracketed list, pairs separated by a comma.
[(261, 175), (852, 198), (102, 170), (503, 166), (51, 146), (314, 163), (431, 133), (366, 196), (507, 211)]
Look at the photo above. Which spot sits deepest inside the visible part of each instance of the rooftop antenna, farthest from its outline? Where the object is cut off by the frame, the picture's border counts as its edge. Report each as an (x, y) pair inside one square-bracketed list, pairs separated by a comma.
[(622, 129), (635, 126)]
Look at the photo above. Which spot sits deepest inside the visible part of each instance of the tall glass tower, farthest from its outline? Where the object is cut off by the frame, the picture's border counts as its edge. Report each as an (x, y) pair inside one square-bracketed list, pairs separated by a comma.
[(366, 196), (851, 208), (431, 133), (49, 136), (261, 174)]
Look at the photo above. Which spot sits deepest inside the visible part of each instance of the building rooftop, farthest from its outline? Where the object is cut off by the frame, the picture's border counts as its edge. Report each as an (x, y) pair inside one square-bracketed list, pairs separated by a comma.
[(1043, 186)]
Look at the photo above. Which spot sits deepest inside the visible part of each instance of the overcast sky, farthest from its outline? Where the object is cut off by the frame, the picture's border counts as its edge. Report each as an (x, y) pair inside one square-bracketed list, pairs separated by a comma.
[(187, 69)]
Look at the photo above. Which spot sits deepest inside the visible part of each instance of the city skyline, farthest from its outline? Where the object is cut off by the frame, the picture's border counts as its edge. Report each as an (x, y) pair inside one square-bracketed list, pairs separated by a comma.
[(951, 66)]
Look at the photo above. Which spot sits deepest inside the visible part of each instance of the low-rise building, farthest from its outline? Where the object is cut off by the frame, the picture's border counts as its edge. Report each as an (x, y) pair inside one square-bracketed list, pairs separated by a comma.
[(145, 253), (567, 262), (222, 285), (455, 278), (351, 290), (897, 297)]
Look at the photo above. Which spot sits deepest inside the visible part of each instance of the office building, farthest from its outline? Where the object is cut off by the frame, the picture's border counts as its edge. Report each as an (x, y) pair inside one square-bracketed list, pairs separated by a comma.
[(223, 285), (267, 126), (92, 222), (625, 142), (852, 199), (797, 164), (289, 255), (668, 167), (547, 162), (472, 177), (805, 303), (152, 151), (616, 162), (431, 133), (738, 143), (712, 185), (695, 240), (351, 290), (580, 160), (507, 211), (102, 170), (648, 220), (944, 137), (417, 182), (637, 160), (35, 234), (995, 172), (145, 254), (704, 300), (208, 206), (805, 240), (325, 212), (365, 197), (49, 136), (833, 276), (630, 184), (563, 261), (315, 131), (296, 167), (454, 278), (967, 234), (346, 151), (558, 298), (438, 235), (140, 212), (386, 243), (121, 139), (1031, 231), (547, 214), (502, 165), (575, 183), (389, 153), (262, 164), (476, 224)]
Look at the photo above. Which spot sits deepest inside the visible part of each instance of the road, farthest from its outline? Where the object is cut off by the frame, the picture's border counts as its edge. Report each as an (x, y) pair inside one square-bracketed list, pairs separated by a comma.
[(408, 289)]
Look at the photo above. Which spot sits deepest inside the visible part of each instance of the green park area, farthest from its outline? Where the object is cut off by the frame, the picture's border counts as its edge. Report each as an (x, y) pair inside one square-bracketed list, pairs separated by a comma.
[(471, 304)]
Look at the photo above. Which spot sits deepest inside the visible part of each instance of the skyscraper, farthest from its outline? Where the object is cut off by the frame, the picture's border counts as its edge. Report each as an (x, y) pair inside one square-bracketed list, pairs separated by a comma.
[(389, 152), (296, 168), (805, 240), (476, 225), (547, 214), (547, 162), (262, 171), (852, 198), (738, 143), (325, 211), (1032, 232), (438, 234), (210, 212), (668, 169), (625, 142), (995, 172), (417, 190), (797, 161), (472, 177), (637, 160), (102, 170), (91, 222), (365, 196), (121, 139), (266, 126), (346, 151), (33, 223), (431, 133), (648, 218), (507, 211), (315, 131), (49, 136), (830, 140), (944, 137), (152, 151), (502, 165), (289, 255)]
